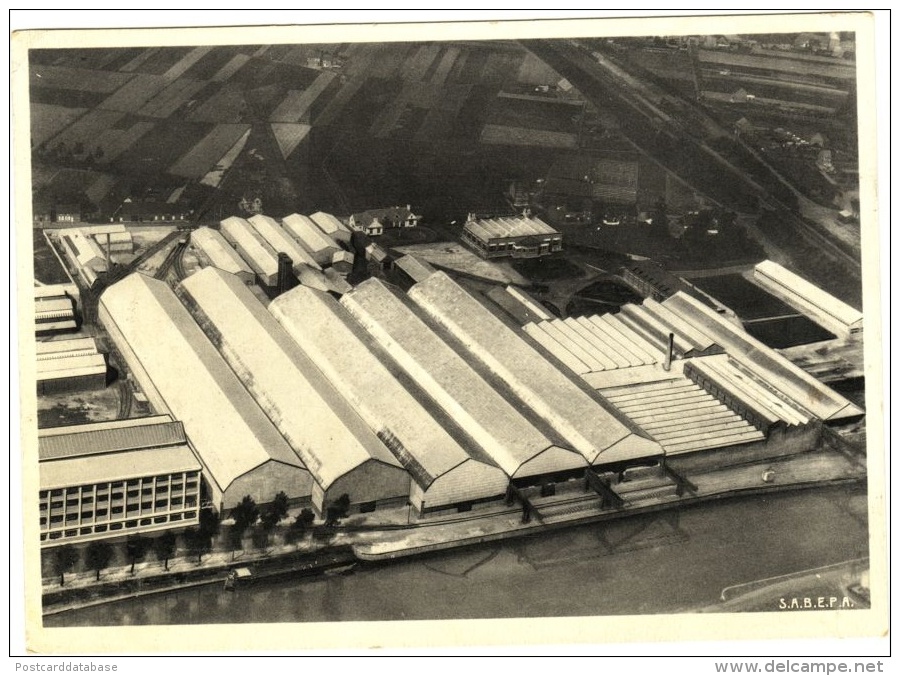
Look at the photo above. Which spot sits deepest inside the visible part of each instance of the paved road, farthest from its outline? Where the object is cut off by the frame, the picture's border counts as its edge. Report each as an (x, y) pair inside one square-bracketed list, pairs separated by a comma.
[(642, 565)]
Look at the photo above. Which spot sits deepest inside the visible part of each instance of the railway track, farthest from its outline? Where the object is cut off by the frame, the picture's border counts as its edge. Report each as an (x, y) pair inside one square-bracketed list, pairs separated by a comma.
[(581, 70)]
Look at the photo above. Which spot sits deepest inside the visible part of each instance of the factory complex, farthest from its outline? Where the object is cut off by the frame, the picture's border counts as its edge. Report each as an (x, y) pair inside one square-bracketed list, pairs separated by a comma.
[(436, 398)]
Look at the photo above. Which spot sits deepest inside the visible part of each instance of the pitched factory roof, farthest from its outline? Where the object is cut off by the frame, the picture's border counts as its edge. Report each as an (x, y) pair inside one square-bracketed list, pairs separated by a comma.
[(583, 420), (278, 238), (219, 252), (511, 440), (487, 229), (176, 361), (282, 378), (345, 354)]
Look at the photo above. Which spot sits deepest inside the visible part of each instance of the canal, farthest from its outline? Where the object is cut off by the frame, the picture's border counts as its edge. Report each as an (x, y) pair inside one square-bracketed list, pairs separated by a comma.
[(641, 565)]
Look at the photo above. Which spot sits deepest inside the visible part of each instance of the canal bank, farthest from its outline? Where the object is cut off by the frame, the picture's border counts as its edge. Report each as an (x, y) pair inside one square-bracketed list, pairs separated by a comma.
[(396, 541), (664, 562)]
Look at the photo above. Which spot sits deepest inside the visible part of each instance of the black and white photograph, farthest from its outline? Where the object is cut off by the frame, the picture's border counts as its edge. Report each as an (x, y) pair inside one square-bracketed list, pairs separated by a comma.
[(558, 324)]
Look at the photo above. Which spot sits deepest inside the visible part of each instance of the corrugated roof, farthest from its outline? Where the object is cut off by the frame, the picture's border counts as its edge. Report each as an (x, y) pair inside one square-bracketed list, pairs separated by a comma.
[(278, 238), (92, 469), (45, 307), (109, 438), (580, 418), (795, 285), (259, 255), (285, 382), (416, 268), (71, 365), (329, 224), (809, 393), (225, 425), (487, 229), (509, 438), (308, 233), (344, 353), (47, 348), (219, 252)]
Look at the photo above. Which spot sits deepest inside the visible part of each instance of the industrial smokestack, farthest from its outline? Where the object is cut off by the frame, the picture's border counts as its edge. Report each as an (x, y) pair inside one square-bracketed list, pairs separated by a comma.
[(285, 273), (670, 348)]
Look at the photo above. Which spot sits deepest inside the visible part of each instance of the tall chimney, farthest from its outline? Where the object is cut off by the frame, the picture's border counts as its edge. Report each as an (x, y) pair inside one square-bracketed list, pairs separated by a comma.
[(107, 253), (670, 348), (285, 272)]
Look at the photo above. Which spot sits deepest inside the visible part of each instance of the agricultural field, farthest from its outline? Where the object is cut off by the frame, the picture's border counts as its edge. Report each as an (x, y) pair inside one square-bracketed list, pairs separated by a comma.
[(48, 120), (205, 154), (401, 123)]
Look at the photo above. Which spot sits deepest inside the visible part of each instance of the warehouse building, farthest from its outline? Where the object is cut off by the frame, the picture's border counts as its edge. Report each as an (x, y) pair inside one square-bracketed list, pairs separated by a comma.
[(332, 226), (53, 313), (278, 238), (519, 237), (67, 365), (84, 253), (599, 433), (343, 455), (527, 454), (116, 478), (261, 257), (809, 299), (183, 375), (713, 387), (320, 246), (220, 254), (445, 473)]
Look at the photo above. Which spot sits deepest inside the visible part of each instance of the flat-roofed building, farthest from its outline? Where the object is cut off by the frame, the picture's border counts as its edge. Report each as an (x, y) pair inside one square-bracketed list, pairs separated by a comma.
[(116, 478), (261, 257), (444, 473), (220, 254), (53, 314), (587, 423), (279, 239), (343, 455), (512, 441), (802, 294), (518, 237), (182, 374), (66, 365), (321, 246), (118, 242)]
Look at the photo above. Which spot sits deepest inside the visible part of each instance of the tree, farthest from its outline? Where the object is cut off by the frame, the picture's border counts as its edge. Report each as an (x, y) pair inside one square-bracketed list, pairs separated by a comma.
[(136, 547), (275, 512), (65, 559), (301, 525), (245, 513), (338, 510), (164, 547), (279, 505), (197, 542), (98, 556), (209, 522)]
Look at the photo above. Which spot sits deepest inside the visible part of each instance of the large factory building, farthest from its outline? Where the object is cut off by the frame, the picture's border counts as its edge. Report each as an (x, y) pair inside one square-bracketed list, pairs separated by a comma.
[(343, 455), (515, 443), (183, 375), (447, 471), (694, 381)]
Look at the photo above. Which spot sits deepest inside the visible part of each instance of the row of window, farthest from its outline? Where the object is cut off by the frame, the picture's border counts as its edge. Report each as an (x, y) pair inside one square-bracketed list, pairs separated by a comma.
[(115, 510), (132, 484), (103, 496), (118, 526)]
